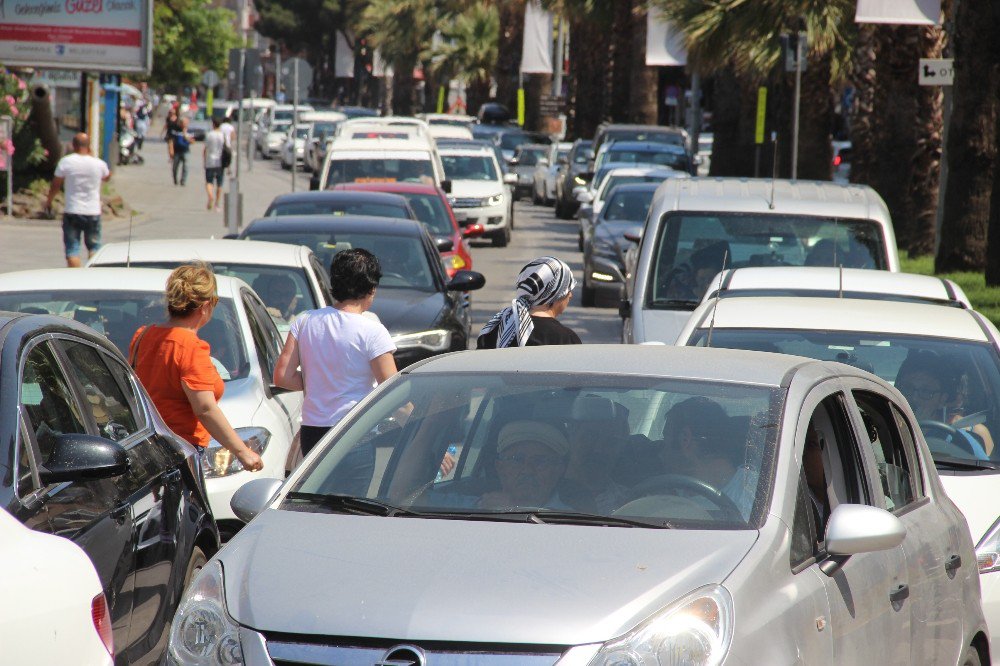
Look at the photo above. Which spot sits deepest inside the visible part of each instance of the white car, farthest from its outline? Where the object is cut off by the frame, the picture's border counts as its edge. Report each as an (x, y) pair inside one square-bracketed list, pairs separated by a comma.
[(479, 192), (54, 610), (381, 154), (322, 125), (544, 178), (296, 145), (448, 119), (288, 278), (270, 137), (445, 131), (704, 154), (245, 346), (943, 357)]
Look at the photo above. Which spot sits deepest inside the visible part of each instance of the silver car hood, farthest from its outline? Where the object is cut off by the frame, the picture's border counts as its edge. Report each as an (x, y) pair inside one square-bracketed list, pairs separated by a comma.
[(419, 579)]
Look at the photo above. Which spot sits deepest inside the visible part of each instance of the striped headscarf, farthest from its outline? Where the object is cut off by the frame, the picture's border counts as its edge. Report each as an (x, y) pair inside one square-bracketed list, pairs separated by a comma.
[(542, 282)]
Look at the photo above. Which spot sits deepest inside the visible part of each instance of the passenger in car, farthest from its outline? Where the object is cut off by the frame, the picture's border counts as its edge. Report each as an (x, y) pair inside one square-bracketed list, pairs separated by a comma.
[(531, 461), (689, 280), (812, 466), (278, 293)]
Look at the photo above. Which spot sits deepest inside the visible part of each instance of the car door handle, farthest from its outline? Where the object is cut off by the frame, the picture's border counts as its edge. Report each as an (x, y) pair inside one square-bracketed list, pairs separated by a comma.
[(953, 564), (901, 592), (120, 513)]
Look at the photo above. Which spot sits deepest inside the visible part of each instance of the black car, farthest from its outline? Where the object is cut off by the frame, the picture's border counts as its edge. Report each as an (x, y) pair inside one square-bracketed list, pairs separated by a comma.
[(338, 202), (572, 174), (423, 310), (674, 136), (605, 244), (84, 455)]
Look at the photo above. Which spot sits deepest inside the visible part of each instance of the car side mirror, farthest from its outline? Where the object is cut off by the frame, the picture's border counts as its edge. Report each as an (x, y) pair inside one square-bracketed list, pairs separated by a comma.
[(446, 186), (444, 244), (76, 457), (253, 497), (467, 281), (633, 236), (853, 529), (473, 230), (510, 179), (513, 161)]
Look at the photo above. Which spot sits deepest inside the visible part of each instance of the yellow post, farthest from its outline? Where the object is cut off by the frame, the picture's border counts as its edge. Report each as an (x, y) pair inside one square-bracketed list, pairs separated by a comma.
[(761, 113), (441, 93), (209, 102), (520, 107)]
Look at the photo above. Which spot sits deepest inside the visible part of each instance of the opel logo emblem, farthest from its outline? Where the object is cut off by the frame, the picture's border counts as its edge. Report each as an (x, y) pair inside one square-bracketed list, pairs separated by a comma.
[(403, 655)]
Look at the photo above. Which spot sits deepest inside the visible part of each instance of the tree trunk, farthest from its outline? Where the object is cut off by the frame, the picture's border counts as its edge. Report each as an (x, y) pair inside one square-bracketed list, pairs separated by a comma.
[(476, 92), (588, 57), (733, 122), (509, 60), (863, 140), (403, 88), (925, 172), (972, 148), (621, 62), (536, 85), (642, 87), (816, 121)]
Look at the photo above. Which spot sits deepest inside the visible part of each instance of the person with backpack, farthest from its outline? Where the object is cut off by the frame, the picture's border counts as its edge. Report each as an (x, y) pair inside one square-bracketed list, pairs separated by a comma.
[(141, 115), (214, 155), (182, 147)]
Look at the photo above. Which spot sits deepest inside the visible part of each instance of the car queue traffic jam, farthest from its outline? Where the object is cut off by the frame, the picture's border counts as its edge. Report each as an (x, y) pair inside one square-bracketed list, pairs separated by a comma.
[(788, 459)]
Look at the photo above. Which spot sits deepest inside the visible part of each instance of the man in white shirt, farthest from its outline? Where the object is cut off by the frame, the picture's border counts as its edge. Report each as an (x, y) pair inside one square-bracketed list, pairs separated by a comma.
[(215, 142), (228, 131), (82, 175)]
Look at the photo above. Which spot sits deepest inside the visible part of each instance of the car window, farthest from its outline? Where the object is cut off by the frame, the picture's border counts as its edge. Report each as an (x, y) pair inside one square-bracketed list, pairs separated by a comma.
[(894, 457), (629, 205), (673, 160), (265, 335), (381, 170), (469, 167), (430, 210), (49, 405), (105, 399), (27, 480), (282, 208)]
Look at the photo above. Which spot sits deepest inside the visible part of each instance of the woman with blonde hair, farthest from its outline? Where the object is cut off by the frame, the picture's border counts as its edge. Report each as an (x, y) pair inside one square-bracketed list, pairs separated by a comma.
[(175, 365)]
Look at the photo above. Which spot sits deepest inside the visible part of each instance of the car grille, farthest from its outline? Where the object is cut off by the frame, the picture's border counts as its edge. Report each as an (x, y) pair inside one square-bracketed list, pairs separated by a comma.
[(467, 202), (289, 652)]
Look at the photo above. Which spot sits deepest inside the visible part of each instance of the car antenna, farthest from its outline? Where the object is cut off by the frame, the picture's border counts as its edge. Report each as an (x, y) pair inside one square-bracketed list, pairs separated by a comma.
[(718, 297), (774, 168), (128, 251)]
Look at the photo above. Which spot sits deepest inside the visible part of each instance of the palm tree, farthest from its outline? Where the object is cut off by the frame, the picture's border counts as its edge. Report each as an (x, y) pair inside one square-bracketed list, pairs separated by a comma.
[(470, 49)]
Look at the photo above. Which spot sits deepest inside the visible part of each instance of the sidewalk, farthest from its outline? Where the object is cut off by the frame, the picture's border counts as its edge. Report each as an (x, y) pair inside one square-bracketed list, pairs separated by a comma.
[(163, 210)]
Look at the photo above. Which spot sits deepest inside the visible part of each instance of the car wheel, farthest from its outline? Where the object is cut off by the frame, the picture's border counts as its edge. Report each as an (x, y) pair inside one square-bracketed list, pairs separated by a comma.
[(195, 564), (588, 295), (502, 237), (579, 240), (971, 657)]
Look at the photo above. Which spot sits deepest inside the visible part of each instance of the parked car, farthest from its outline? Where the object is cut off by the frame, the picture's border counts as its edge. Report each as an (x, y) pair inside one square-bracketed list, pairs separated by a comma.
[(914, 331), (445, 144), (55, 611), (573, 174), (523, 164), (479, 191), (288, 279), (511, 138), (608, 238), (87, 457), (843, 151), (322, 124), (339, 202), (415, 300), (432, 208), (590, 494), (608, 132), (294, 146), (543, 191), (699, 226), (640, 152), (357, 111), (450, 131), (245, 345)]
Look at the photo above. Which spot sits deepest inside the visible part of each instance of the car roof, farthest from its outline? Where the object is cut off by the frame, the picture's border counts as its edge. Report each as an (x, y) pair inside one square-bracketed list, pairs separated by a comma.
[(389, 188), (831, 281), (322, 116), (212, 250), (717, 365), (604, 127), (464, 150), (413, 143), (835, 314), (101, 279), (634, 187), (644, 146), (633, 170), (335, 196), (389, 226), (754, 195), (533, 146)]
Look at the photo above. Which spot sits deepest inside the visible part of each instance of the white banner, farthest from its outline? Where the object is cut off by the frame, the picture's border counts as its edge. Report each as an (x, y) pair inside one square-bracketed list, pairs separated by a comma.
[(378, 64), (343, 58), (664, 44), (906, 12), (536, 51)]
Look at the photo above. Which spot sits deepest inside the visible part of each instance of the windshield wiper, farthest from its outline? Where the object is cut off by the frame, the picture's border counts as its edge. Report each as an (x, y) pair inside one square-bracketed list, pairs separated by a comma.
[(351, 504), (545, 516), (949, 462), (675, 303)]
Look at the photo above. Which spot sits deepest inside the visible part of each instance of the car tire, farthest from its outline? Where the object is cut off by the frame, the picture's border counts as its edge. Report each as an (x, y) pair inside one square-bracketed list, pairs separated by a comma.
[(535, 199), (196, 563), (579, 240), (502, 238), (563, 211), (588, 295), (971, 657)]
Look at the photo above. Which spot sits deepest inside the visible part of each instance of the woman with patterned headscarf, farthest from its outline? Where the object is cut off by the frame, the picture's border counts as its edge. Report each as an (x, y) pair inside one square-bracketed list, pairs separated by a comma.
[(544, 288)]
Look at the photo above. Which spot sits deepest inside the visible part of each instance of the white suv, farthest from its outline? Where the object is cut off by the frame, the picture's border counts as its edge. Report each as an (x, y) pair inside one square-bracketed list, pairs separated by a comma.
[(480, 192)]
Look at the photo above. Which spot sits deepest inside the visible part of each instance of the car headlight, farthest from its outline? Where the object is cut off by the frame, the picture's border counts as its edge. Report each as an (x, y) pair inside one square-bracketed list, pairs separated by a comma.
[(695, 631), (203, 632), (494, 200), (435, 340), (219, 461), (579, 181), (988, 550)]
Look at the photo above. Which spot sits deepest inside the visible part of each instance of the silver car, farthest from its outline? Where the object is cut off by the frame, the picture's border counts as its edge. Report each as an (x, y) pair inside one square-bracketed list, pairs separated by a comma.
[(644, 505)]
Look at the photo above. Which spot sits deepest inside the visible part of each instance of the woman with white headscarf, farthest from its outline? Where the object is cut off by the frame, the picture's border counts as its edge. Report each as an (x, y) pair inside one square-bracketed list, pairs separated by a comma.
[(543, 291)]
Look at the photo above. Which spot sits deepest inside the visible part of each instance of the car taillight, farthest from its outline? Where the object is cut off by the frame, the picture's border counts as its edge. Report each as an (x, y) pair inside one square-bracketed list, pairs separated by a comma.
[(102, 622), (837, 159)]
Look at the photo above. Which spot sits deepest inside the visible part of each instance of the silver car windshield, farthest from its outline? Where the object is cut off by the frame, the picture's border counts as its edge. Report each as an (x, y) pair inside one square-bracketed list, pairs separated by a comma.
[(691, 248), (682, 454), (469, 167), (953, 386), (119, 314)]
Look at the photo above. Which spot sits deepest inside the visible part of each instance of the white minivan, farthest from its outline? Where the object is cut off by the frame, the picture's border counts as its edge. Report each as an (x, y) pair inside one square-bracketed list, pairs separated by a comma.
[(389, 156)]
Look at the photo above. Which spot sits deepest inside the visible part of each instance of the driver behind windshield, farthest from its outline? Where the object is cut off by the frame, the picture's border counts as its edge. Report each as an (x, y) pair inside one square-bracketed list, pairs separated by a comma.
[(531, 460), (690, 280)]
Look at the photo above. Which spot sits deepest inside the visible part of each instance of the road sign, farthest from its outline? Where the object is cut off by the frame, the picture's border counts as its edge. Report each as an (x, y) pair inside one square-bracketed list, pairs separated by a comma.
[(210, 79), (253, 73), (288, 70), (761, 114), (936, 72)]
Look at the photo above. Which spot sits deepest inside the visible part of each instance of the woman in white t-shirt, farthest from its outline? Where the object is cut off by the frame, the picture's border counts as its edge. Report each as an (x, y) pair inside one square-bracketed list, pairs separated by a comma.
[(336, 355)]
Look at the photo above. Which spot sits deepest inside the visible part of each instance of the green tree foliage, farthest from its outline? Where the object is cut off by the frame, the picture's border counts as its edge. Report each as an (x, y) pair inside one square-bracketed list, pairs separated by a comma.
[(189, 37), (469, 50)]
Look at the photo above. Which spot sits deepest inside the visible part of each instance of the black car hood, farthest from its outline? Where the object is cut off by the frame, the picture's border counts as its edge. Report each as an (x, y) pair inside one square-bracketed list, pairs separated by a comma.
[(407, 310)]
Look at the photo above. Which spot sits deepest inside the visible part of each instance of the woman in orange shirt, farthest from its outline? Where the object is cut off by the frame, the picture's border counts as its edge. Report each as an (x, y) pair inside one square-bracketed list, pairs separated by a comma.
[(175, 365)]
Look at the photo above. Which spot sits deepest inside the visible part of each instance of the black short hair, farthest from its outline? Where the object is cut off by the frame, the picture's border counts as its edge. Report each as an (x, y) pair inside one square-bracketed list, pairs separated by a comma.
[(216, 121), (354, 274)]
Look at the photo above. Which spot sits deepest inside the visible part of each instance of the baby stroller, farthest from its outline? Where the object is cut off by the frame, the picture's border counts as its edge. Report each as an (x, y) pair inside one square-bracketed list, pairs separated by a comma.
[(128, 148)]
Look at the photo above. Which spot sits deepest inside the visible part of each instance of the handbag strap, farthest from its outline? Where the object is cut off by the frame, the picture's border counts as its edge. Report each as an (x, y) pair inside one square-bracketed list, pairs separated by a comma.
[(134, 355)]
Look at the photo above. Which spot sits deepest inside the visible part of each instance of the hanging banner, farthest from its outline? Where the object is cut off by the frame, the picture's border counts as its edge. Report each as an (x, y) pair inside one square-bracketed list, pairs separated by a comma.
[(378, 64), (77, 34), (664, 45), (905, 12), (344, 58), (536, 51)]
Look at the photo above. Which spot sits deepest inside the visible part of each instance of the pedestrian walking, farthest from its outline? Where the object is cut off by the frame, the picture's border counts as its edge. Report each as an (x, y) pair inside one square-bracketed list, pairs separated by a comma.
[(175, 365), (336, 355), (543, 291), (82, 174), (229, 131), (215, 146), (182, 148), (142, 115), (170, 127)]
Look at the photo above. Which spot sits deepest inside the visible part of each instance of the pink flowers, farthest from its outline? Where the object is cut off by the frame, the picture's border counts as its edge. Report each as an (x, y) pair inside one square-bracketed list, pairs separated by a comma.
[(21, 85), (14, 112), (8, 147), (11, 102)]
